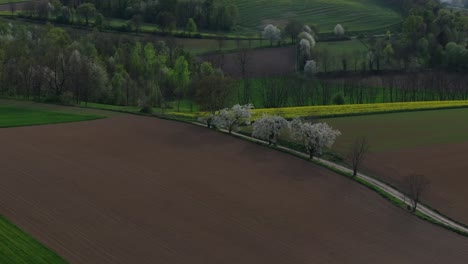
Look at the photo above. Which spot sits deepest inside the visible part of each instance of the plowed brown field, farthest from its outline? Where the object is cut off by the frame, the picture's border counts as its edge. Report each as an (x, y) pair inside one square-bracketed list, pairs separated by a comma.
[(445, 165), (131, 189), (260, 62)]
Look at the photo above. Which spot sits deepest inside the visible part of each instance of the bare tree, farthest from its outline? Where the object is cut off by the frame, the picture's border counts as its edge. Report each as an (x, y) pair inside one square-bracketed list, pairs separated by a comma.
[(243, 59), (12, 7), (359, 150), (416, 184), (221, 41)]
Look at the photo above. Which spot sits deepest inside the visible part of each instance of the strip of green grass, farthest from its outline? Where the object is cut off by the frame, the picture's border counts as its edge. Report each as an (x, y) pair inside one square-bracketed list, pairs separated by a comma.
[(18, 247), (12, 116), (11, 1)]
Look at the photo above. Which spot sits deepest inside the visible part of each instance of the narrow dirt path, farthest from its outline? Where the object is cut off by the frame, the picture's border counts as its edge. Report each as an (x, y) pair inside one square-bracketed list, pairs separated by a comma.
[(387, 188)]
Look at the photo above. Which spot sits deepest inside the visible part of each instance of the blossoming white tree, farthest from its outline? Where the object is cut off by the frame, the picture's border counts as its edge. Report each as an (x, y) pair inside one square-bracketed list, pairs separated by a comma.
[(310, 68), (315, 137), (207, 119), (269, 128), (339, 30), (306, 46), (272, 33), (307, 36), (232, 118)]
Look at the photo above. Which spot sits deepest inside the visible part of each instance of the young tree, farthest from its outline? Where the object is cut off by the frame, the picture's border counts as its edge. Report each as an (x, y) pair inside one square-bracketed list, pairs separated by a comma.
[(181, 78), (339, 30), (191, 26), (99, 21), (137, 21), (310, 68), (306, 46), (272, 33), (269, 128), (359, 150), (315, 137), (416, 185), (212, 92), (12, 5), (293, 28), (232, 118), (86, 10), (243, 59)]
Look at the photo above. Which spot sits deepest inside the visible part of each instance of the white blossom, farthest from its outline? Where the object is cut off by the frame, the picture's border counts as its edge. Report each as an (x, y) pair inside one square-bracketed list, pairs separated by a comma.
[(339, 30), (271, 33), (310, 68), (269, 128), (207, 119), (304, 46), (308, 37), (307, 29), (232, 118), (315, 137)]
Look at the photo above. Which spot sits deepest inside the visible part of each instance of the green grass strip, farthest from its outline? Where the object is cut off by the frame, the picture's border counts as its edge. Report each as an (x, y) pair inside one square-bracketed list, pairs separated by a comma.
[(11, 116), (20, 248)]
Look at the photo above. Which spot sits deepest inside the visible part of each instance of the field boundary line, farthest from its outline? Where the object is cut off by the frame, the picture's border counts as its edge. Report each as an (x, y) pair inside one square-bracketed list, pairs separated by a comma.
[(434, 216)]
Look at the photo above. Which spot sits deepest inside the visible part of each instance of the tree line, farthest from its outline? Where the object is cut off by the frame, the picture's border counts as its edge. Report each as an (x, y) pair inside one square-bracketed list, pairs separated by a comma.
[(169, 15), (47, 64)]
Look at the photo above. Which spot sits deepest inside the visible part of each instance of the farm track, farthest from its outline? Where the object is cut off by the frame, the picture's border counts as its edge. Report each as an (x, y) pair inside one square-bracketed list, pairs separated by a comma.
[(385, 187), (132, 189)]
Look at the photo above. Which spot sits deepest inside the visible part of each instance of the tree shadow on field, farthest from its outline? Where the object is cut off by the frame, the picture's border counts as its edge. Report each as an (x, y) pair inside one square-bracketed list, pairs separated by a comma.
[(255, 153), (196, 137)]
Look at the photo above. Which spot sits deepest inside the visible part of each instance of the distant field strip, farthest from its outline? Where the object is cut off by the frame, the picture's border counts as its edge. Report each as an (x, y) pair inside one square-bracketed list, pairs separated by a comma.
[(2, 2), (355, 15), (18, 247), (357, 109), (12, 116)]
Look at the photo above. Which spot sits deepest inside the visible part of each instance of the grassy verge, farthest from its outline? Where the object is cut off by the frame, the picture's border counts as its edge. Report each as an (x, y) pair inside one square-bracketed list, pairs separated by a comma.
[(18, 247), (13, 116)]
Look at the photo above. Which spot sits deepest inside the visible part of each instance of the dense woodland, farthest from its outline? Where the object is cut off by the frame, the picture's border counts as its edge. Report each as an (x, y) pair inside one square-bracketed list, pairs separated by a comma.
[(167, 14), (46, 63)]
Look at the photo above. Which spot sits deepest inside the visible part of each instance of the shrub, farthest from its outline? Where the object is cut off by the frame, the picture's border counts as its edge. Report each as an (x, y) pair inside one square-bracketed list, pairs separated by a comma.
[(338, 99)]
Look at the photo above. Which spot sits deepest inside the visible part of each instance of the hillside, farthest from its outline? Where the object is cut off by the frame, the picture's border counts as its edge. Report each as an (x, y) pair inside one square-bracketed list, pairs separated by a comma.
[(354, 15)]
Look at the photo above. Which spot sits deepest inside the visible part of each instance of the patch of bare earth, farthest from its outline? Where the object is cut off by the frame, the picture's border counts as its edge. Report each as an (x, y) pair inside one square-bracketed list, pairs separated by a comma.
[(445, 165), (264, 62), (132, 189)]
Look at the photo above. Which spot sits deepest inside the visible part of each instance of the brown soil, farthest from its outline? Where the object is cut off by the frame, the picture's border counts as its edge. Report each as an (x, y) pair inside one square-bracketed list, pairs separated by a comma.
[(19, 6), (446, 166), (264, 62), (131, 189)]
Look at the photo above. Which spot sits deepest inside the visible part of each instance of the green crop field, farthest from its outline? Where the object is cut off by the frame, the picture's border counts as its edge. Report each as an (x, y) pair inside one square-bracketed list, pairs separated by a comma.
[(12, 116), (11, 1), (18, 247), (354, 15), (403, 130)]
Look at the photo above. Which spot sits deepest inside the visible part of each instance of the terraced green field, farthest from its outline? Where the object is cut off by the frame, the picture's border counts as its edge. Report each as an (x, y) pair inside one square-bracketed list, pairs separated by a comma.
[(354, 15)]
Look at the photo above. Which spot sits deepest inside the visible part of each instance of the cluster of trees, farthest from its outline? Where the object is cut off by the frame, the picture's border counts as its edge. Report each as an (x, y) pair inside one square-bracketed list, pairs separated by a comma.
[(354, 89), (45, 63), (431, 37), (315, 137), (168, 14)]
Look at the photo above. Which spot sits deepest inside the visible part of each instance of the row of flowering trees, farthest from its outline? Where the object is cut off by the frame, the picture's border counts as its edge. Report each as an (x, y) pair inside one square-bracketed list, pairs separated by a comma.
[(314, 136)]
